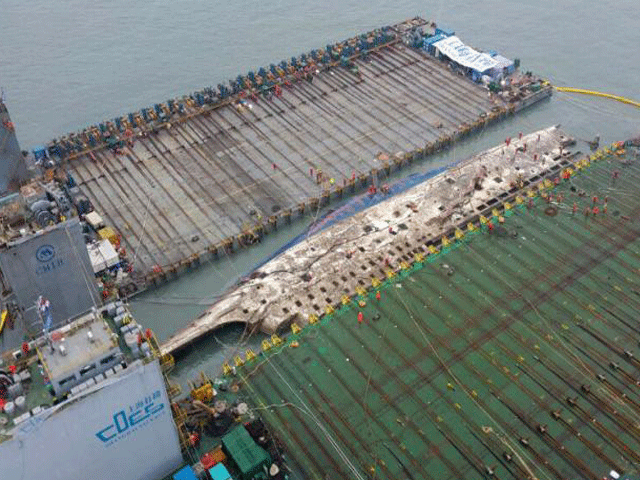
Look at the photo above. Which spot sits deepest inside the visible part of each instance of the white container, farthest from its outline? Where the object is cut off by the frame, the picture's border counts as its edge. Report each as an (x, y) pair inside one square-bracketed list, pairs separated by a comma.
[(118, 319)]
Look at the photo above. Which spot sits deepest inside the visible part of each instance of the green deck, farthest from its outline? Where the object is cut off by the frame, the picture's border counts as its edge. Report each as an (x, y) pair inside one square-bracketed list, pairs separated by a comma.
[(463, 361)]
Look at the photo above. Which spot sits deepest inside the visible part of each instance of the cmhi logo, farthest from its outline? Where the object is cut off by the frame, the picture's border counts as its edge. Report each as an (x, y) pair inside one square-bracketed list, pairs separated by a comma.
[(45, 253)]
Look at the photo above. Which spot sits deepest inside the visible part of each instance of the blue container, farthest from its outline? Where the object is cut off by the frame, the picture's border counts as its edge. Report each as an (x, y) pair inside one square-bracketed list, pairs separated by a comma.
[(433, 39), (219, 472), (185, 474), (446, 32), (39, 152), (428, 43)]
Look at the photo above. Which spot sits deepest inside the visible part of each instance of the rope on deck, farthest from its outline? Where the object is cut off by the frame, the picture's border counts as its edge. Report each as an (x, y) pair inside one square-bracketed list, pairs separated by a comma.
[(618, 98)]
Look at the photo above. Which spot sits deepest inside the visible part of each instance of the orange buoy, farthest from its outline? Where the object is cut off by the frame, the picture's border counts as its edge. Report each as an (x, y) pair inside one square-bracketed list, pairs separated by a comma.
[(360, 317), (378, 295)]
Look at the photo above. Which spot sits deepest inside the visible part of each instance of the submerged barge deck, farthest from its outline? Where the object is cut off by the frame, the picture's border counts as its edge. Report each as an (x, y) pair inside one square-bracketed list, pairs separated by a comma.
[(217, 177), (511, 354)]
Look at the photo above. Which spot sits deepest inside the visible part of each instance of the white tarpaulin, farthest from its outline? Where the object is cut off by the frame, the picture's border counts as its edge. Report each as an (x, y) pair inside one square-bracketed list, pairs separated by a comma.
[(466, 56)]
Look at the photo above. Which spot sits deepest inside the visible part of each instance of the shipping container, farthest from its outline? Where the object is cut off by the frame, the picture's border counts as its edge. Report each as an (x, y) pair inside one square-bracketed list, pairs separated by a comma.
[(219, 472), (185, 473), (445, 32)]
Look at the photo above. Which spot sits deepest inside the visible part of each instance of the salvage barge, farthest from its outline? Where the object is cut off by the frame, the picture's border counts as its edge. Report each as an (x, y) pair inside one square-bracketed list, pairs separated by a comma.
[(198, 176)]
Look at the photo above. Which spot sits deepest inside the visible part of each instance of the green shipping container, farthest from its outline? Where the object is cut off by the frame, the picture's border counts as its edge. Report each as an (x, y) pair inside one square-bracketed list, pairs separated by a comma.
[(248, 456)]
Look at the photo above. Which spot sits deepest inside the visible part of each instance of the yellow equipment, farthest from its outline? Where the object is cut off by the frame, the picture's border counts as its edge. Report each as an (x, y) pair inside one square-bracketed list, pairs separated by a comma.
[(108, 233), (204, 391), (3, 318)]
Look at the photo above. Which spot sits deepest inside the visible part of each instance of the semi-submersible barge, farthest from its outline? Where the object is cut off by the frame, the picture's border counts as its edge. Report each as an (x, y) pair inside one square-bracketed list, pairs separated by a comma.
[(506, 349), (199, 176)]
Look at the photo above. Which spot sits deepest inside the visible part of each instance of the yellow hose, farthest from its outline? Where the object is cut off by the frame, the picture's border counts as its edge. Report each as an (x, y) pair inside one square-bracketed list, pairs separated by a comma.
[(599, 94)]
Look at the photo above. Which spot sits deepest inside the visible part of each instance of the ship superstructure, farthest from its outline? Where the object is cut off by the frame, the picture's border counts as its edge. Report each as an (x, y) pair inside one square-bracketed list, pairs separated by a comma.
[(87, 399), (53, 244)]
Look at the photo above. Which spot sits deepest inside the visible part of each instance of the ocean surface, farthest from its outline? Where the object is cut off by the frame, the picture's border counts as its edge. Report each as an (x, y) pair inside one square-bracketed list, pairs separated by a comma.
[(70, 63)]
